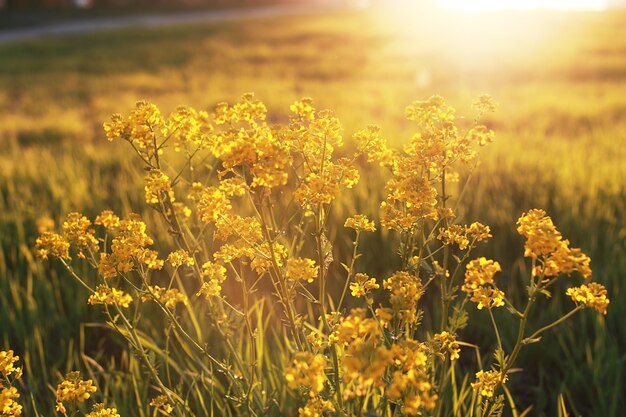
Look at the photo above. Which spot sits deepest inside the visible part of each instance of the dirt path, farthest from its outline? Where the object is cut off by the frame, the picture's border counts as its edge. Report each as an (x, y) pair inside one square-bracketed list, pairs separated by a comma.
[(99, 24)]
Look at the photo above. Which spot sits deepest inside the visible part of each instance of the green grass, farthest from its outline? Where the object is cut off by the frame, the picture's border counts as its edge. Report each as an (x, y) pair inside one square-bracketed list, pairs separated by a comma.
[(559, 79)]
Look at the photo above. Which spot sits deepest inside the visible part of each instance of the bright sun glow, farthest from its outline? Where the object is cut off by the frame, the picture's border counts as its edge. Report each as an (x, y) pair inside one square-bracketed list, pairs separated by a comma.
[(487, 5)]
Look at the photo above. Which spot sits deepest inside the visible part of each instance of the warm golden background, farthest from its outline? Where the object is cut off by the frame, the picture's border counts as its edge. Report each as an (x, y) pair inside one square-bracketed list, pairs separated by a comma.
[(559, 77)]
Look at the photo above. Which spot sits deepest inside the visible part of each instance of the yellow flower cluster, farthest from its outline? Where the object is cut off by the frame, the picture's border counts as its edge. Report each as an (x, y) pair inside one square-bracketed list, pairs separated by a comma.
[(52, 244), (161, 403), (360, 223), (7, 361), (363, 285), (214, 274), (213, 203), (9, 407), (355, 327), (128, 248), (446, 342), (486, 382), (373, 146), (179, 258), (412, 195), (592, 295), (108, 219), (406, 290), (107, 295), (98, 410), (167, 297), (545, 243), (316, 407), (187, 126), (158, 187), (303, 269), (249, 144), (464, 236), (74, 389), (364, 365), (410, 383), (307, 369), (77, 231), (140, 128), (480, 285)]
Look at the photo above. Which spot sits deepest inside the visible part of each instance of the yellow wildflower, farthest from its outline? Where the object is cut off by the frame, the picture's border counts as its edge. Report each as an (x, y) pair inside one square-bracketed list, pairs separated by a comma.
[(487, 297), (360, 223), (76, 230), (544, 241), (446, 343), (355, 327), (592, 295), (214, 274), (8, 406), (52, 244), (316, 407), (107, 295), (363, 285), (161, 403), (7, 359), (233, 187), (478, 273), (410, 381), (406, 290), (169, 298), (307, 369), (74, 389), (486, 382), (98, 410), (128, 249), (108, 219), (301, 269), (157, 187), (179, 258), (373, 146), (212, 204), (484, 103)]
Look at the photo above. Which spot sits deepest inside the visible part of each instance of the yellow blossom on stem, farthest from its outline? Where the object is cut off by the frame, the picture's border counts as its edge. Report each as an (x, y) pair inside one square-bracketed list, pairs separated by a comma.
[(161, 403), (157, 187), (212, 204), (179, 258), (74, 389), (316, 407), (107, 295), (302, 269), (108, 219), (307, 369), (360, 223), (480, 272), (446, 343), (486, 382), (9, 407), (487, 297), (77, 231), (98, 410), (363, 285), (592, 295), (168, 297), (7, 361), (406, 290), (214, 274)]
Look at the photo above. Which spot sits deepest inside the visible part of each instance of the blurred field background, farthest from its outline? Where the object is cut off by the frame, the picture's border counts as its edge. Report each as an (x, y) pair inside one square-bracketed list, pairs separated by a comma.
[(559, 78)]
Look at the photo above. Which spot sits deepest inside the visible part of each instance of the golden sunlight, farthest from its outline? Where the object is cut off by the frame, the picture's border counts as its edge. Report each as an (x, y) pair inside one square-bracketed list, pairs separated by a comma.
[(488, 5)]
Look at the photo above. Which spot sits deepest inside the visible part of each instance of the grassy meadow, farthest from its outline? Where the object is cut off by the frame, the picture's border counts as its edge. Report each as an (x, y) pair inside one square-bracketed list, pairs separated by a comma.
[(559, 79)]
